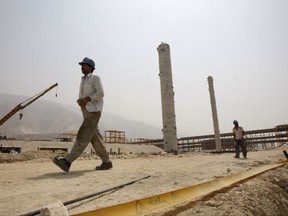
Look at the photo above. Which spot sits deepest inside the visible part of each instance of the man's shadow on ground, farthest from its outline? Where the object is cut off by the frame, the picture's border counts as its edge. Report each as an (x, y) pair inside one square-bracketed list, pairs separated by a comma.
[(61, 175)]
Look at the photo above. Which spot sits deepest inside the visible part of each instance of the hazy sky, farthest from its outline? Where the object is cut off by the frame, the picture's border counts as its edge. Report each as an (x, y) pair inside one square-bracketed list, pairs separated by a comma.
[(242, 44)]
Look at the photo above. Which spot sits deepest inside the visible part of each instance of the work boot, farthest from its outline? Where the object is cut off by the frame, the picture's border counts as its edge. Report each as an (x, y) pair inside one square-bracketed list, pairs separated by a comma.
[(104, 166), (62, 163)]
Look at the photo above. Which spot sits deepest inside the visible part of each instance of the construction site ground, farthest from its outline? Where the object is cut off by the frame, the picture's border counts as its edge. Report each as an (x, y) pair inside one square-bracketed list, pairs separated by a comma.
[(30, 180)]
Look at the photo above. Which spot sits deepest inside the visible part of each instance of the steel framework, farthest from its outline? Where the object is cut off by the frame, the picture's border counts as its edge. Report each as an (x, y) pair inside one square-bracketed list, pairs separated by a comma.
[(114, 136), (256, 140)]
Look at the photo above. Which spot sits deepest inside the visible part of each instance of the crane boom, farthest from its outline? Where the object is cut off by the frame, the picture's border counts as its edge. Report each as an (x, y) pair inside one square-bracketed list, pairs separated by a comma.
[(26, 103)]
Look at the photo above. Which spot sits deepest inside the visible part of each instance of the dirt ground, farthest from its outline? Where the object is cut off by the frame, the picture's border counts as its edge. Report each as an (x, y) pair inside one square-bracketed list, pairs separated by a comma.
[(30, 180)]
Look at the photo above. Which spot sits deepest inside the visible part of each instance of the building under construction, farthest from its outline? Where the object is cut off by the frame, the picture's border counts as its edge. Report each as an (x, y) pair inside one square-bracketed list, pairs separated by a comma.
[(111, 136), (114, 136), (261, 139)]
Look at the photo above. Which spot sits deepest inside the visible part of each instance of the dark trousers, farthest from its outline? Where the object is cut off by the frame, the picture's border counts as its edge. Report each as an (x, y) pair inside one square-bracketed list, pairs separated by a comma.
[(242, 144)]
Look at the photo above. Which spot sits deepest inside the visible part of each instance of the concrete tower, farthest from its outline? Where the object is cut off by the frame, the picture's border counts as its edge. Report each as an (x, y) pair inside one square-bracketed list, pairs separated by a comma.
[(214, 113), (167, 98)]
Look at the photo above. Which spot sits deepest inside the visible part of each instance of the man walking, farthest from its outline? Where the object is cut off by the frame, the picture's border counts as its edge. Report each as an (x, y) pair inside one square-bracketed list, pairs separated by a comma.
[(90, 100), (238, 134)]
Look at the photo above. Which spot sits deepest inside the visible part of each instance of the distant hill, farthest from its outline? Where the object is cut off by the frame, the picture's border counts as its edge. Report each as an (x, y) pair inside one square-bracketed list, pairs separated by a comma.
[(49, 118)]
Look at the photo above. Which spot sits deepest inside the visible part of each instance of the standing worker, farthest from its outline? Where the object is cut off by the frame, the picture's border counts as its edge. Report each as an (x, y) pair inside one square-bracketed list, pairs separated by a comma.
[(91, 103), (238, 134)]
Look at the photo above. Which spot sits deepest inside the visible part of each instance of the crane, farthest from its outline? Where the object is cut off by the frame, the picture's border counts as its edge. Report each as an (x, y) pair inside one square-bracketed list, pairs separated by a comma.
[(24, 104)]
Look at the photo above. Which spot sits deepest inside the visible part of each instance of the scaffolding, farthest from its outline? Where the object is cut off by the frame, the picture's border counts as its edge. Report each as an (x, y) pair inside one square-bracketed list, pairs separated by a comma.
[(115, 136)]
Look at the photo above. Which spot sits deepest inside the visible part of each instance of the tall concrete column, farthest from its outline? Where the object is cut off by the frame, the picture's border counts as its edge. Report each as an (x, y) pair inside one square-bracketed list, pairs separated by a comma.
[(167, 98), (214, 113)]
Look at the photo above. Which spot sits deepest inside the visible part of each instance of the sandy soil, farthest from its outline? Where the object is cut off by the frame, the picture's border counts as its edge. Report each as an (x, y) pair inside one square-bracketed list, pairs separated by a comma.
[(30, 180)]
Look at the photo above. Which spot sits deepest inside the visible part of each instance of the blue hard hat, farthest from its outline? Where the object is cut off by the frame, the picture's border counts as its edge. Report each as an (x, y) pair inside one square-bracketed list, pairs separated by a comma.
[(88, 61)]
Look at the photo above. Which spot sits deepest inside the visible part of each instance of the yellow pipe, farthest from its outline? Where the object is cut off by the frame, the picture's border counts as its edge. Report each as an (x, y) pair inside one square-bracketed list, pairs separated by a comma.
[(159, 202)]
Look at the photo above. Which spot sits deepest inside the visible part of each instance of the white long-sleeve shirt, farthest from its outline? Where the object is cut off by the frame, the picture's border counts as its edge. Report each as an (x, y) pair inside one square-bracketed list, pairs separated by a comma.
[(91, 86)]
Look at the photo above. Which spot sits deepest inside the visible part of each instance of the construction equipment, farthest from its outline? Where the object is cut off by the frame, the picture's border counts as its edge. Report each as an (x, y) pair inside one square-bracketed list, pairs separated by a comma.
[(24, 104)]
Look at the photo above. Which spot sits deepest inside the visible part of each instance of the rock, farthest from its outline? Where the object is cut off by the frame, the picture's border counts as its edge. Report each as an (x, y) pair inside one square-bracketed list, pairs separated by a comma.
[(54, 209)]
